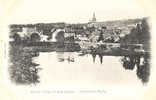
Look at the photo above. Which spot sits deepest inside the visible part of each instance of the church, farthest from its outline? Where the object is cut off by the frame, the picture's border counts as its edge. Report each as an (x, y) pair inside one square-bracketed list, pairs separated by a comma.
[(93, 21)]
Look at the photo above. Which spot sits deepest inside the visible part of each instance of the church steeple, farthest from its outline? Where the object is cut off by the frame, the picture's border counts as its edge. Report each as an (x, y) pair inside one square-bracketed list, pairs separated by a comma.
[(94, 17)]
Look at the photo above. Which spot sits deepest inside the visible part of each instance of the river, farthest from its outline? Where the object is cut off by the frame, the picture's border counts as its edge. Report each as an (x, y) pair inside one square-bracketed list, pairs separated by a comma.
[(71, 69), (34, 65)]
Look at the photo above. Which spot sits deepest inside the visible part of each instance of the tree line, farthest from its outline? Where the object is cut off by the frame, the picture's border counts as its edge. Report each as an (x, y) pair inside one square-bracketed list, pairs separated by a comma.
[(139, 35)]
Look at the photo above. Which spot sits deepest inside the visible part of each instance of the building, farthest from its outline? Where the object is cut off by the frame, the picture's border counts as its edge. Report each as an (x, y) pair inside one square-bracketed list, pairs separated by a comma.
[(69, 34), (27, 31), (44, 38), (93, 21)]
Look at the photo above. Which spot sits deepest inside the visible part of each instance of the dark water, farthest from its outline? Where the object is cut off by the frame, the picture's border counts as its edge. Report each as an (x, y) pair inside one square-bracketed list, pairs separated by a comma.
[(30, 66)]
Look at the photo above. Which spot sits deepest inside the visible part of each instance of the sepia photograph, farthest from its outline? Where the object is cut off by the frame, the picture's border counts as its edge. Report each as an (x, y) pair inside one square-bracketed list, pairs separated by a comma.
[(56, 48), (87, 51)]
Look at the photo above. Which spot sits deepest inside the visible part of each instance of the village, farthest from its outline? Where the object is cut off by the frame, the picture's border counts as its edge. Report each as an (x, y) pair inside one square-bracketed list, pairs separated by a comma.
[(92, 32), (126, 39)]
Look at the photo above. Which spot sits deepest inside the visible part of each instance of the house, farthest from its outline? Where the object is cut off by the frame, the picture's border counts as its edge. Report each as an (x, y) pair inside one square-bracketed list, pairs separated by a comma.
[(27, 31), (69, 34), (44, 38)]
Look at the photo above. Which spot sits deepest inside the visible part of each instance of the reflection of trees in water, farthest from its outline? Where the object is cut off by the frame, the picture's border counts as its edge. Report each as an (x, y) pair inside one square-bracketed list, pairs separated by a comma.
[(142, 64), (94, 56), (143, 70), (100, 57), (129, 63), (22, 69), (70, 59), (62, 57)]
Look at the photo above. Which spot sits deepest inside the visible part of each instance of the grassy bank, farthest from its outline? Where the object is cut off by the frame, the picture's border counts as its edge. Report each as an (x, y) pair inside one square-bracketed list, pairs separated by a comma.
[(22, 69)]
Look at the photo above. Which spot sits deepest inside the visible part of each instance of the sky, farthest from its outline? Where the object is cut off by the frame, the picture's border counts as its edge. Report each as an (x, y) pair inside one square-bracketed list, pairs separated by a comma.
[(74, 11)]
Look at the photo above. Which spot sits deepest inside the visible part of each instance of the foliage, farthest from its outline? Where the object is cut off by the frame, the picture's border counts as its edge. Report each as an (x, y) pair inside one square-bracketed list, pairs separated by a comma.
[(35, 37), (140, 34), (70, 39), (60, 37), (22, 69), (143, 71), (17, 38)]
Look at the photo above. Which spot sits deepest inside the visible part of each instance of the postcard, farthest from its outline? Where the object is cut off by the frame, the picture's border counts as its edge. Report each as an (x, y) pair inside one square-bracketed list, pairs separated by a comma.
[(77, 50)]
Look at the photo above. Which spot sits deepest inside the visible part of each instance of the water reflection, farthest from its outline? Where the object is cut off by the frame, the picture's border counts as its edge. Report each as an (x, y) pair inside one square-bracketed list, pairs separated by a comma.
[(143, 69), (101, 59), (128, 62), (142, 64), (94, 56), (61, 56), (24, 71)]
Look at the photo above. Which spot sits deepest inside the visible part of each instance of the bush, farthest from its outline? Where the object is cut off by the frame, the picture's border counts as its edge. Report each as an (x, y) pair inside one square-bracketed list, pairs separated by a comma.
[(35, 37)]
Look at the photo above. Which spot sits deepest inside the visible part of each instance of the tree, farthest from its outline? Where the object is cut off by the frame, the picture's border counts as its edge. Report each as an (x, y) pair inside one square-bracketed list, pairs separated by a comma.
[(128, 62), (70, 39), (145, 36), (35, 37), (17, 37), (60, 37), (140, 34), (101, 37)]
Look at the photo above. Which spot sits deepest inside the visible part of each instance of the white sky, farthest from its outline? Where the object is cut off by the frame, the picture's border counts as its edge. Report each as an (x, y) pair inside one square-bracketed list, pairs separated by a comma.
[(73, 11)]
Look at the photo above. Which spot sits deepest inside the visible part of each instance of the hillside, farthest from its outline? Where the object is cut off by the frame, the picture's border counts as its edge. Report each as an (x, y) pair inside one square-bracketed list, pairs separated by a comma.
[(120, 23)]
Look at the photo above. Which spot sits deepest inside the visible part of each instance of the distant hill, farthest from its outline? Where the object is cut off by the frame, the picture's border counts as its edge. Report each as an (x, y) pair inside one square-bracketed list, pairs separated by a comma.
[(124, 25), (119, 23)]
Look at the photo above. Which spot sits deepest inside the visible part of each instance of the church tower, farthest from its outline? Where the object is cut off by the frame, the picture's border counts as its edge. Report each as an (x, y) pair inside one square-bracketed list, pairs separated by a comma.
[(93, 20), (94, 17)]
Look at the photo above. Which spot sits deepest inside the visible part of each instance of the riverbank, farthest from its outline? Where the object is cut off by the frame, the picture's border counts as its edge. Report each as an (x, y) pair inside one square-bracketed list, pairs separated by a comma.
[(49, 46), (108, 49), (24, 71)]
